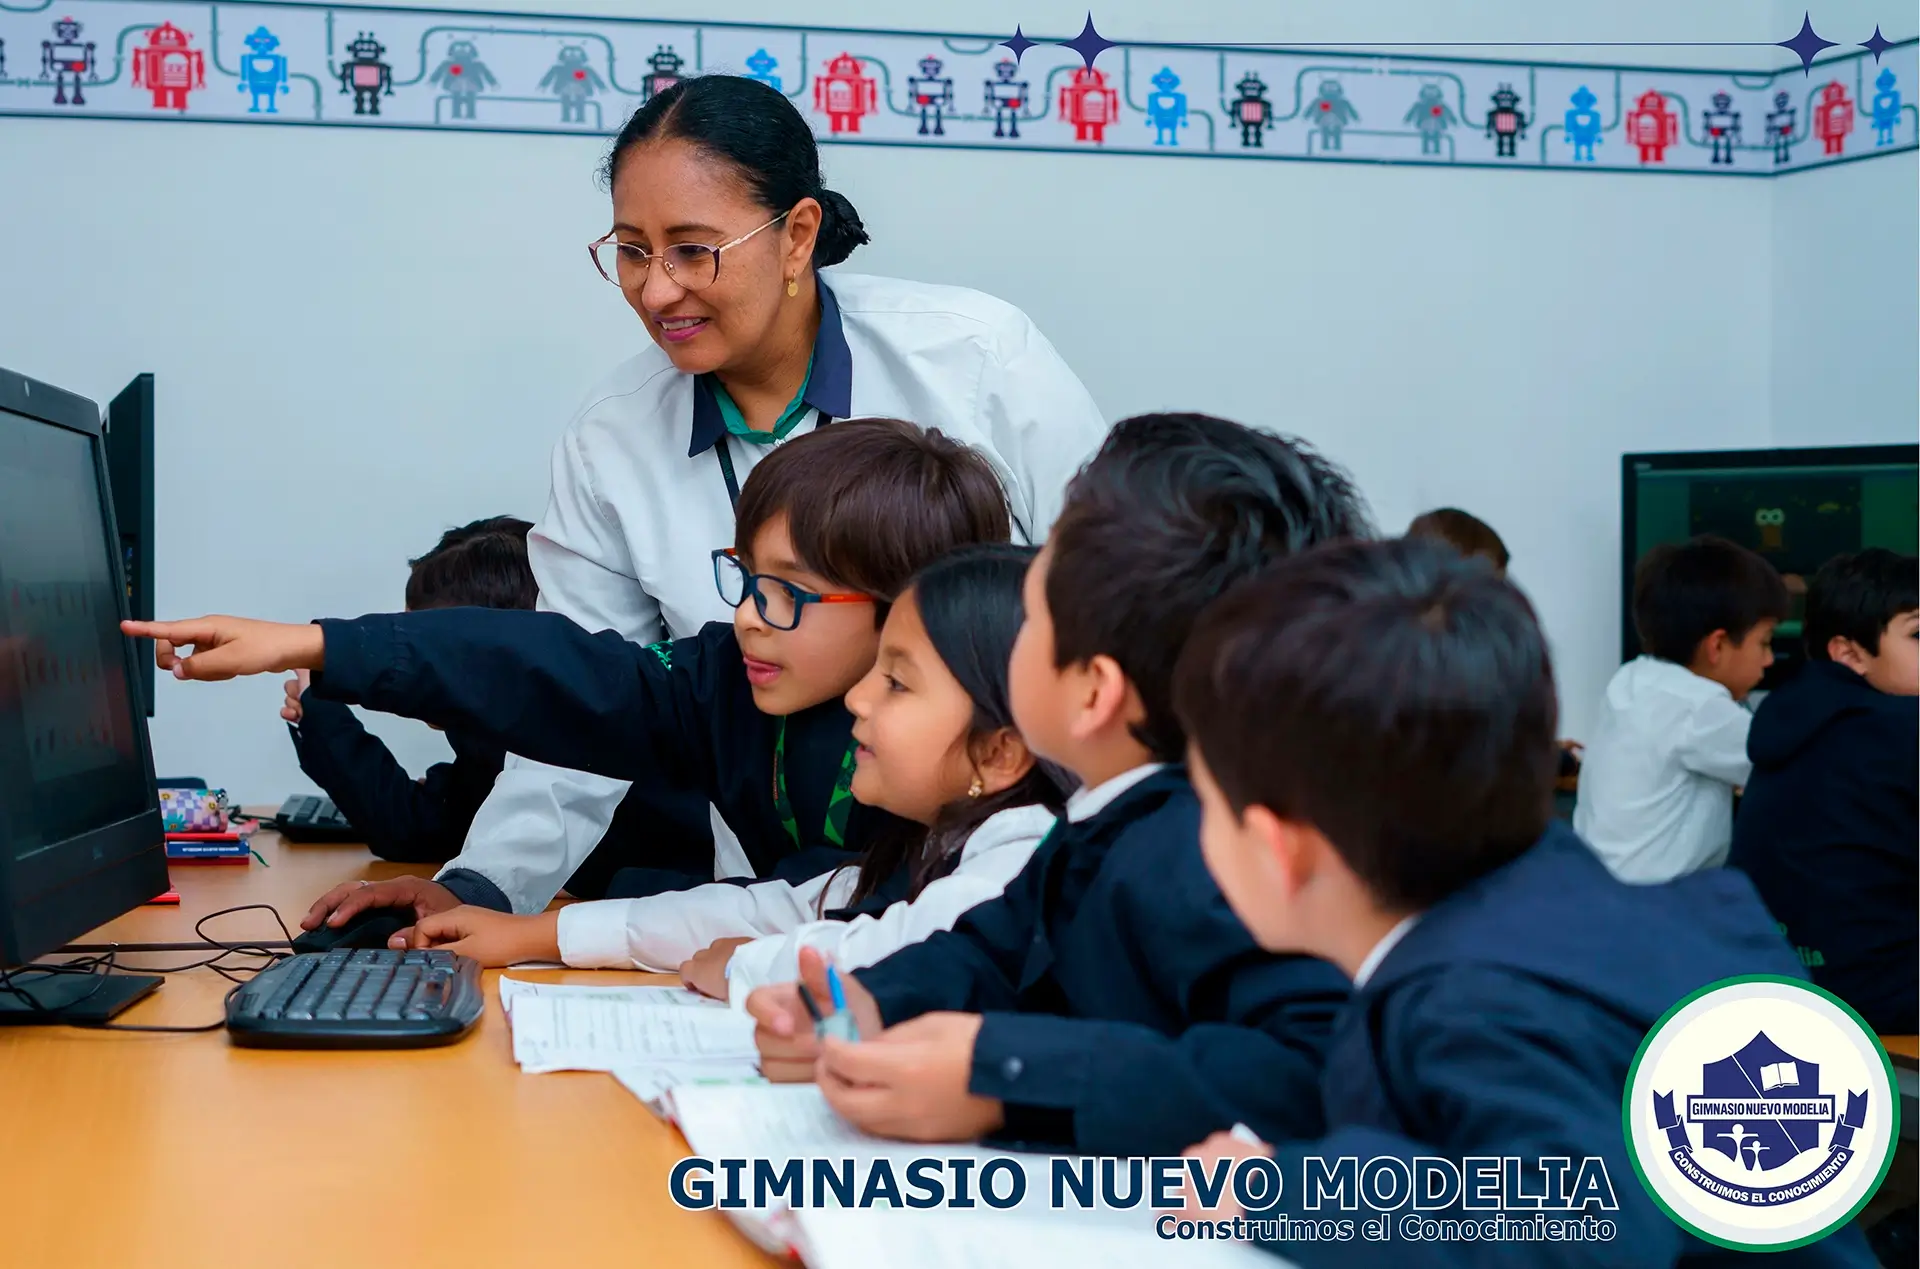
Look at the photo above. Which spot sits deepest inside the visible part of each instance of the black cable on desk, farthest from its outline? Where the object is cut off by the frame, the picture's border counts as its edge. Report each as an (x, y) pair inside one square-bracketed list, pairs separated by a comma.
[(103, 957)]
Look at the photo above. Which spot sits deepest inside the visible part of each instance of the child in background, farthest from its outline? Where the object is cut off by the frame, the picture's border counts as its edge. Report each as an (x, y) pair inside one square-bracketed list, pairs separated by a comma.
[(1828, 829), (1469, 535), (1109, 1002), (1397, 824), (831, 526), (937, 747), (1670, 746), (479, 565)]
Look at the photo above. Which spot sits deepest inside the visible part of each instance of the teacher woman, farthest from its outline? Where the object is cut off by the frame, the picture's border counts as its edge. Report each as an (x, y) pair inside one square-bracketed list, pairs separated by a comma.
[(721, 224)]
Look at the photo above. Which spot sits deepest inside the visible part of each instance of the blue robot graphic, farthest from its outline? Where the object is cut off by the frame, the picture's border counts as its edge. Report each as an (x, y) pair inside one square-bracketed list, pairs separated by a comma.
[(1886, 108), (463, 77), (1430, 115), (931, 95), (1166, 109), (1780, 128), (573, 82), (1722, 126), (1330, 113), (263, 72), (760, 66), (1005, 96), (1583, 125)]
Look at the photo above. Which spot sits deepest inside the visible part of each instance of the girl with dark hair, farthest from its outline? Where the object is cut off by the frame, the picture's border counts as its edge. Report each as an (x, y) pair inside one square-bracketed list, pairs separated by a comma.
[(938, 748), (721, 224)]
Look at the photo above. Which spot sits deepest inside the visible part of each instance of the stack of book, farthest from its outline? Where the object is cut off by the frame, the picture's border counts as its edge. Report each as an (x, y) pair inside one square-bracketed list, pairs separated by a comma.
[(208, 848)]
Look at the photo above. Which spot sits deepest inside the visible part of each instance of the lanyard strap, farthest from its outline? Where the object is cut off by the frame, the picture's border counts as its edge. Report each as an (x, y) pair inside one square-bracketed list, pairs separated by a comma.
[(839, 803), (725, 455)]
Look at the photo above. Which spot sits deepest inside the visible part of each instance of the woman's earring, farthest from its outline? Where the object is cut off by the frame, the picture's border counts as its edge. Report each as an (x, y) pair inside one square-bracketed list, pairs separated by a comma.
[(793, 288), (976, 789)]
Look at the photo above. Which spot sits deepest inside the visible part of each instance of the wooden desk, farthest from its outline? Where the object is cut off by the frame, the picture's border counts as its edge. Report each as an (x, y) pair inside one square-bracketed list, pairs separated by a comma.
[(143, 1151), (1903, 1049)]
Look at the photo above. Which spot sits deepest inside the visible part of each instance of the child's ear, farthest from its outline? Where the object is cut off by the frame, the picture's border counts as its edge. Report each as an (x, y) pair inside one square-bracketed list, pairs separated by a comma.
[(1000, 759), (1109, 697), (1844, 651), (1713, 649), (1287, 848)]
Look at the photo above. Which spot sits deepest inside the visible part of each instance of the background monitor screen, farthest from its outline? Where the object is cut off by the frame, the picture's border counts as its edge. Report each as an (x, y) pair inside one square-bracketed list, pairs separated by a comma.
[(70, 759), (1796, 508)]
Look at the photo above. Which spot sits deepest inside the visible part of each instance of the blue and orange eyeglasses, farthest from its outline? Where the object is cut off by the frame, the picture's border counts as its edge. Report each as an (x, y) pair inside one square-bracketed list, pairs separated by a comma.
[(780, 603)]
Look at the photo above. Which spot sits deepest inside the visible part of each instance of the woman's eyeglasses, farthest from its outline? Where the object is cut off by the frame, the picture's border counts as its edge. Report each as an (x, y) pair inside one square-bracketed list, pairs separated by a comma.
[(779, 603), (692, 265)]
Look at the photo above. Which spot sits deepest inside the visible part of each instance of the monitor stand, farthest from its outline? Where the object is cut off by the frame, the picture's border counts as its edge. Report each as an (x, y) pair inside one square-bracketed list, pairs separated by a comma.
[(70, 999)]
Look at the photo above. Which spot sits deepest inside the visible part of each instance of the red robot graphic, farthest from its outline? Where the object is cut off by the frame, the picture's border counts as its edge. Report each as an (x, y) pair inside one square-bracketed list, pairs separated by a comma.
[(1833, 117), (1652, 127), (1089, 105), (843, 94), (168, 68)]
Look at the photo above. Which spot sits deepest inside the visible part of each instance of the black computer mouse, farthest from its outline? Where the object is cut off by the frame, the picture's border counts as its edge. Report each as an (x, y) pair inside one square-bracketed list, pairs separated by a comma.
[(371, 927)]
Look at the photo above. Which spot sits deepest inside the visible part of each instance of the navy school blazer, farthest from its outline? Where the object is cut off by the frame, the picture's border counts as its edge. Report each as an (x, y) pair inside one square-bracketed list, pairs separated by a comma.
[(678, 713), (1126, 1009), (1504, 1022)]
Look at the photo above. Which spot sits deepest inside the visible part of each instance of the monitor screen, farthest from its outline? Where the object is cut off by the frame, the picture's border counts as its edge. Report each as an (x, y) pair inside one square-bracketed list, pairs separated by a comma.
[(1796, 508), (70, 759)]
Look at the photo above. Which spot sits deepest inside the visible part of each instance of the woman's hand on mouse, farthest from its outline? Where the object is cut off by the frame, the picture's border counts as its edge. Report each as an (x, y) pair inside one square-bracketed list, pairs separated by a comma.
[(228, 647), (492, 938), (350, 898)]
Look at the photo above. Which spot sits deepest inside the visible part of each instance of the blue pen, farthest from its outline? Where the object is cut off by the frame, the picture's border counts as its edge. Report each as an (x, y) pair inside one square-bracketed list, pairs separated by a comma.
[(839, 1024)]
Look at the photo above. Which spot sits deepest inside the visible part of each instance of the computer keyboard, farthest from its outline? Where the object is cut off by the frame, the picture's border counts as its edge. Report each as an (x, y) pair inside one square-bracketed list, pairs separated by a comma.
[(364, 998), (305, 818)]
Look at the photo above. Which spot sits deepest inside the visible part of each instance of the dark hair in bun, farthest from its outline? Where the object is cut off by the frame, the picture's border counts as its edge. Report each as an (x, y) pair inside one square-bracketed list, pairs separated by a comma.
[(755, 128)]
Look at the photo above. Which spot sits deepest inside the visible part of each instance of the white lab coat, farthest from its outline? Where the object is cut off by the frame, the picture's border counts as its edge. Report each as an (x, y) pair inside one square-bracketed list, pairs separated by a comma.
[(625, 541)]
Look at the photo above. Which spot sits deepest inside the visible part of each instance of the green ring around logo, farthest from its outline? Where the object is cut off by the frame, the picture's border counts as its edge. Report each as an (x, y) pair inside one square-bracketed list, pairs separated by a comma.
[(1626, 1112)]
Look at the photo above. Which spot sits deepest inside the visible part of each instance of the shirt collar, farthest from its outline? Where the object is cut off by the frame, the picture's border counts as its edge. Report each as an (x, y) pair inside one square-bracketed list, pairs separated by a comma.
[(829, 384), (1387, 943), (1084, 803)]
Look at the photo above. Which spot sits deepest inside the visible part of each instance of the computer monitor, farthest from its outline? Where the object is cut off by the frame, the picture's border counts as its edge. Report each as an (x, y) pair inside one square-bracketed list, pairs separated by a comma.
[(130, 477), (1797, 507), (80, 833)]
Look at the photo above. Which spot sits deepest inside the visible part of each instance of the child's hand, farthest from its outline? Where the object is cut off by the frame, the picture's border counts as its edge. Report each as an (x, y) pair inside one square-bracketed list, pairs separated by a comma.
[(910, 1082), (706, 972), (296, 687), (1222, 1145), (492, 938), (228, 647), (788, 1049)]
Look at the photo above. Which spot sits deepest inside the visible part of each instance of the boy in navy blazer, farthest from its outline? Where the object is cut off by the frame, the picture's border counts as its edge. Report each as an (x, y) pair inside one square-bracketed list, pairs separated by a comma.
[(1109, 1001), (1828, 827), (1372, 734)]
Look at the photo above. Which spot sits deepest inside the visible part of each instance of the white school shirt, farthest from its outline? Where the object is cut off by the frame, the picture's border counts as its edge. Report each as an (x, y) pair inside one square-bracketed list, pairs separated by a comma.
[(661, 931), (638, 503), (1657, 779)]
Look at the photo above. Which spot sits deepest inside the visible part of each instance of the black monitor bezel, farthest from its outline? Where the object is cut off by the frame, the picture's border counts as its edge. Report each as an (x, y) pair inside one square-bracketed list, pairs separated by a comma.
[(1758, 460), (86, 880)]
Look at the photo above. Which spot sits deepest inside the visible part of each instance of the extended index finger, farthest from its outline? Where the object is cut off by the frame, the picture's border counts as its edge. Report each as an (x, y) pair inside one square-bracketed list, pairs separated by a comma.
[(199, 630)]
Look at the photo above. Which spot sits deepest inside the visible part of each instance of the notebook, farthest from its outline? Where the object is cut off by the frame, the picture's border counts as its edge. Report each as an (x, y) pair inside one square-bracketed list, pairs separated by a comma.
[(793, 1121)]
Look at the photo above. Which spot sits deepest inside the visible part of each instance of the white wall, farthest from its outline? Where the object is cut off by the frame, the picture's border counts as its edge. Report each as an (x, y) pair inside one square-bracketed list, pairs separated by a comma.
[(1846, 276), (362, 338)]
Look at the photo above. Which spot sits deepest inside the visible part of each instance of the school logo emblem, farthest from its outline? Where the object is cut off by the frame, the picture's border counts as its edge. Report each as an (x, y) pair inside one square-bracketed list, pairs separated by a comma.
[(1760, 1113)]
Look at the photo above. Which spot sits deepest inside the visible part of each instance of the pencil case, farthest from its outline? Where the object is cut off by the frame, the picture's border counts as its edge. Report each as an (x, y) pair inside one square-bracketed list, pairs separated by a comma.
[(194, 810)]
